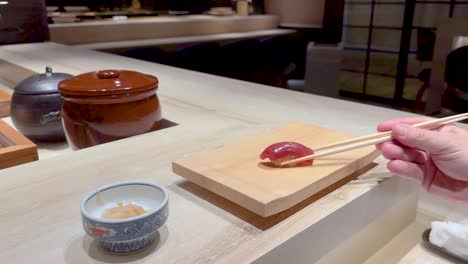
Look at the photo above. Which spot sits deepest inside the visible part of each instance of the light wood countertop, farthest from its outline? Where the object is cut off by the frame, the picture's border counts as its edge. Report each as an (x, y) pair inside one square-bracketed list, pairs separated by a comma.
[(158, 27), (40, 216)]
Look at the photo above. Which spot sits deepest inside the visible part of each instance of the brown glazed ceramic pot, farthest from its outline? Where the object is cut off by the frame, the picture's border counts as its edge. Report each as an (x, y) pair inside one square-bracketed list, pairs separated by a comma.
[(99, 107)]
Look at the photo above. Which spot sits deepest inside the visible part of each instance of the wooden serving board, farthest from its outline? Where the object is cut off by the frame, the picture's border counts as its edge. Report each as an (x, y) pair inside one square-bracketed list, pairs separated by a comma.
[(237, 173)]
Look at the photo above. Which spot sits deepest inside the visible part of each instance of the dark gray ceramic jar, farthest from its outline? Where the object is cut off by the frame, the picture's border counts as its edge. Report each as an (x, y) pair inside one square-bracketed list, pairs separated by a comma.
[(36, 106)]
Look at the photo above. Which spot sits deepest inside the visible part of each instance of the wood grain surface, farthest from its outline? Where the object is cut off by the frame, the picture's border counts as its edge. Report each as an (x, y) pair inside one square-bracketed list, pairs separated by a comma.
[(11, 74), (15, 148), (5, 102), (237, 173), (41, 214), (157, 27)]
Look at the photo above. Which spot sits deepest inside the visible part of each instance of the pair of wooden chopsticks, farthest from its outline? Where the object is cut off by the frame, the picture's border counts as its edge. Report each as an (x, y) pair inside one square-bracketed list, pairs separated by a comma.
[(372, 139)]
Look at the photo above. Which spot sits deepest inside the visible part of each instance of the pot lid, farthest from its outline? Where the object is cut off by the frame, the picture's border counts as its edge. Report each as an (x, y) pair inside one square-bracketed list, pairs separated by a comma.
[(108, 82), (45, 83)]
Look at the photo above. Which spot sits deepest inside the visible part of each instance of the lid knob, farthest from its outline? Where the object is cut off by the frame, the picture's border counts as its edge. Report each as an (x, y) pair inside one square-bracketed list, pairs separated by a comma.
[(48, 70), (108, 74)]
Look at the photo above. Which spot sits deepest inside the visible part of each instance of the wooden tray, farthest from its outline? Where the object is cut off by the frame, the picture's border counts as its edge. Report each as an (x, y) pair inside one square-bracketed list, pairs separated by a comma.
[(237, 173), (5, 102), (15, 149)]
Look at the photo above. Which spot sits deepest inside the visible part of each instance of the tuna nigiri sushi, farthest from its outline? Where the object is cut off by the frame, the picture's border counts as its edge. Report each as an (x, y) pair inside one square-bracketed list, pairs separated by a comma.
[(284, 151)]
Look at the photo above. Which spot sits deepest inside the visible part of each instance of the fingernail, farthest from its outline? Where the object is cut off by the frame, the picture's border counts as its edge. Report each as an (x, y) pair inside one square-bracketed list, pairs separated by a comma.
[(400, 131)]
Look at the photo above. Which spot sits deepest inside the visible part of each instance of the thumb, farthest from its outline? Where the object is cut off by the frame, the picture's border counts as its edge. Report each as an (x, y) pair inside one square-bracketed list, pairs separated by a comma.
[(423, 139)]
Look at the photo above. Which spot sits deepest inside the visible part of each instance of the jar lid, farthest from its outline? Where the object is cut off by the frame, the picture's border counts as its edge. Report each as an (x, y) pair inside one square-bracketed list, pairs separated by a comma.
[(108, 82), (38, 84)]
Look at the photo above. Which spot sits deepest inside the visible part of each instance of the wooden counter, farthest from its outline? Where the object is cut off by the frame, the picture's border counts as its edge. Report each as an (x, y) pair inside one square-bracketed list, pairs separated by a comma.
[(157, 28), (40, 216), (178, 43)]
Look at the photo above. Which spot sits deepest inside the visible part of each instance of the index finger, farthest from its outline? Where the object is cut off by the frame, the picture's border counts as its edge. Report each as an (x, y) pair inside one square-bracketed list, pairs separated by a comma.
[(387, 125)]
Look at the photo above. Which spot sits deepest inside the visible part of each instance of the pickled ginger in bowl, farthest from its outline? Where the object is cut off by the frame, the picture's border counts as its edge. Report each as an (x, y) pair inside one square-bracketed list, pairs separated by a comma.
[(125, 217)]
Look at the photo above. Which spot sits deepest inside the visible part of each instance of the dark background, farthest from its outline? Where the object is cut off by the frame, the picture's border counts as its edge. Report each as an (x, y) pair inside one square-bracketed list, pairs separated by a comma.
[(269, 61), (23, 21)]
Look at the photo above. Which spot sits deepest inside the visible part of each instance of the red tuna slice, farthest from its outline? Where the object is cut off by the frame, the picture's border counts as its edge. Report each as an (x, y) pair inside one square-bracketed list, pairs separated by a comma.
[(284, 151)]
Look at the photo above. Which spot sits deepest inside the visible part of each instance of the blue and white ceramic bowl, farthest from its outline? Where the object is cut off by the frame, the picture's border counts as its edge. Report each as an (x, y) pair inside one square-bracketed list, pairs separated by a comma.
[(131, 234)]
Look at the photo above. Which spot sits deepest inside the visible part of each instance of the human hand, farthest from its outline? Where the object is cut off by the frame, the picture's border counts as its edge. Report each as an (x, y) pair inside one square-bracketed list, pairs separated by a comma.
[(436, 159)]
